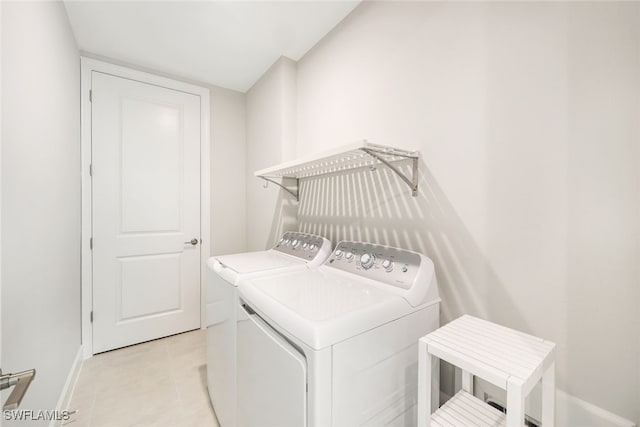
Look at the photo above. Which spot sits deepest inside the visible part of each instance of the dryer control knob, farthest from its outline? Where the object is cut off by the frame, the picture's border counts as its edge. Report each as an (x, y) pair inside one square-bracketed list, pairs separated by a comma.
[(349, 256), (367, 260), (387, 264), (305, 246), (339, 254), (294, 243), (312, 247), (297, 244)]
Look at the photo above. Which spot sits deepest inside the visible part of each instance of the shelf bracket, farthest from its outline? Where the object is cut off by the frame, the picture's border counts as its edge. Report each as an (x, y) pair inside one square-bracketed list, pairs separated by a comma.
[(294, 194), (413, 182)]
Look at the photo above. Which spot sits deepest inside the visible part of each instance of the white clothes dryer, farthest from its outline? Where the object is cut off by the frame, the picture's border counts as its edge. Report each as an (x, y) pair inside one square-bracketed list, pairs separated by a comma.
[(294, 252), (336, 345)]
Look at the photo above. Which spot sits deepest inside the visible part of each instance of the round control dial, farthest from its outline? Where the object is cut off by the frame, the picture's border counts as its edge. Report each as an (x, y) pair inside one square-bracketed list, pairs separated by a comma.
[(367, 260), (294, 243), (312, 247), (349, 256), (297, 244), (305, 246), (339, 254), (387, 264)]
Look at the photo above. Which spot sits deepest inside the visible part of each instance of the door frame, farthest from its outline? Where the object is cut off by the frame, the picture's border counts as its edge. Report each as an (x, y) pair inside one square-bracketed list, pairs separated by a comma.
[(87, 66)]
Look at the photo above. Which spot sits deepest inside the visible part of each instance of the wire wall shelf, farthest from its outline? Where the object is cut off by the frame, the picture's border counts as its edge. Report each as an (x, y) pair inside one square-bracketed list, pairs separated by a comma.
[(353, 156)]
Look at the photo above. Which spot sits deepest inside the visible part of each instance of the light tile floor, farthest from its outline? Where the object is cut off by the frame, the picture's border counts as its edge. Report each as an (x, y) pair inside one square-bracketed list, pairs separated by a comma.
[(157, 383)]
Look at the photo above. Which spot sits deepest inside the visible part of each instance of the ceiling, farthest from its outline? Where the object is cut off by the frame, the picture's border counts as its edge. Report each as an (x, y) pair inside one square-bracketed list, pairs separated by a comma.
[(223, 43)]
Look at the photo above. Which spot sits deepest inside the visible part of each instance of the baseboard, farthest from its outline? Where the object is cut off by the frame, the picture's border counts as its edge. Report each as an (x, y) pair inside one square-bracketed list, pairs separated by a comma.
[(70, 384), (574, 411), (570, 410)]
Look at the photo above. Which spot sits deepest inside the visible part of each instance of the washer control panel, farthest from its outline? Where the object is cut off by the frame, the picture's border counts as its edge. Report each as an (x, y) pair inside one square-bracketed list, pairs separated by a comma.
[(301, 245), (397, 267)]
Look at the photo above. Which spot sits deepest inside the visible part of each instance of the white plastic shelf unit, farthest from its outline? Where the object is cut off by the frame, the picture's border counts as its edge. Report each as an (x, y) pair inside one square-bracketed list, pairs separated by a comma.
[(353, 156), (509, 359)]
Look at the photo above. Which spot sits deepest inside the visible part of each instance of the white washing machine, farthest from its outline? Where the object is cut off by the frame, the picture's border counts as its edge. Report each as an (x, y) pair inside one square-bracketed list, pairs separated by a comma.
[(336, 345), (294, 252)]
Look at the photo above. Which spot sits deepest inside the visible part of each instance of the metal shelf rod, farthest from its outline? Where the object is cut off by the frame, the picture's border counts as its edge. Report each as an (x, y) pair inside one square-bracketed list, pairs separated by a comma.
[(412, 183), (350, 157), (295, 195)]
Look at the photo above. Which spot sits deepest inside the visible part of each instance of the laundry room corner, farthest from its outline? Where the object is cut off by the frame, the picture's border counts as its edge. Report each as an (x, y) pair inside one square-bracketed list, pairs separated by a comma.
[(228, 171), (319, 213), (271, 130)]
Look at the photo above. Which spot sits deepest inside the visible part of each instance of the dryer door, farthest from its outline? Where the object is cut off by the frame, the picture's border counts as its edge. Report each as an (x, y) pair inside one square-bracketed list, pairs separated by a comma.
[(272, 376)]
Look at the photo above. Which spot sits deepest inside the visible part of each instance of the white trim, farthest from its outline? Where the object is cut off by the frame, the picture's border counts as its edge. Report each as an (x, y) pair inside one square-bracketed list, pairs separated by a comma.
[(69, 386), (205, 197), (580, 412), (570, 410), (0, 186), (87, 66), (85, 159)]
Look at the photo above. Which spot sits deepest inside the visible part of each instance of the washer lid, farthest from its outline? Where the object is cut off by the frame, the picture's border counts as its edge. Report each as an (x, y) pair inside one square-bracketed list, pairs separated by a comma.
[(254, 262), (321, 307)]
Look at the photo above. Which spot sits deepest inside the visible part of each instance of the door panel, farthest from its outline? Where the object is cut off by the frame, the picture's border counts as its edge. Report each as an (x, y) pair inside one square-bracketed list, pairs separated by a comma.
[(146, 208), (157, 275), (152, 159)]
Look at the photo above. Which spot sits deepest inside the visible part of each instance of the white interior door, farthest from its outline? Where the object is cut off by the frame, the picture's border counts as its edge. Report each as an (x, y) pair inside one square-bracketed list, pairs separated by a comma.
[(146, 211)]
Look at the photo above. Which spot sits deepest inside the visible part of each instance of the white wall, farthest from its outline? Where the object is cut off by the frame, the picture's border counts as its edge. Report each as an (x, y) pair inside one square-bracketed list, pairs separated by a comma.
[(1, 133), (526, 117), (40, 197), (603, 287), (270, 140), (228, 172)]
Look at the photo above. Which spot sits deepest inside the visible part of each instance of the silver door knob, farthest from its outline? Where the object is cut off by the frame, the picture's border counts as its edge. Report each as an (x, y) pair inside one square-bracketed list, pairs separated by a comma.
[(193, 241)]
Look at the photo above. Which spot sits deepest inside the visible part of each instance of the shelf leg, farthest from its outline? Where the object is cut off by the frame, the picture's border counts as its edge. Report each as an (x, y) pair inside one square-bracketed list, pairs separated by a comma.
[(515, 403), (549, 396), (424, 384), (414, 178), (467, 382), (435, 384)]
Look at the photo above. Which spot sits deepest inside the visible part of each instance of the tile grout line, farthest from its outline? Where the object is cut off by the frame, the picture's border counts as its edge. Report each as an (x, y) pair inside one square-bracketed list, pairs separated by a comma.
[(93, 404), (174, 381)]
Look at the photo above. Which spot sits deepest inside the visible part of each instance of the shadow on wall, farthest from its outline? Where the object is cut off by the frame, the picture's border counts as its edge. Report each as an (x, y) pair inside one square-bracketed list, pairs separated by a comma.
[(285, 214), (377, 207)]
